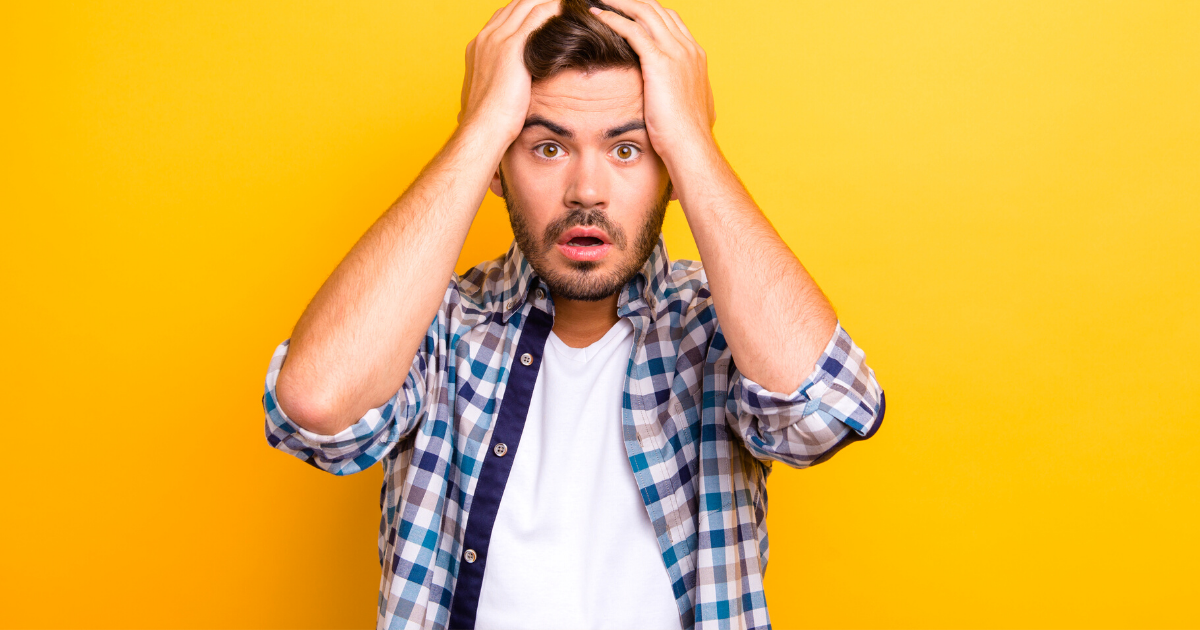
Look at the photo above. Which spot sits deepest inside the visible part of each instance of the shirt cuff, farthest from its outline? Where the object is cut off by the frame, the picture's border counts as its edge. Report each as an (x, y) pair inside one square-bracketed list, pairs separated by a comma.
[(349, 450), (841, 387)]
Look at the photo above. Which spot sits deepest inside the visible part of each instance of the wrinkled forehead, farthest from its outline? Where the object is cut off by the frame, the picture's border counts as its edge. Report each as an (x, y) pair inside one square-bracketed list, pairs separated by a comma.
[(589, 103)]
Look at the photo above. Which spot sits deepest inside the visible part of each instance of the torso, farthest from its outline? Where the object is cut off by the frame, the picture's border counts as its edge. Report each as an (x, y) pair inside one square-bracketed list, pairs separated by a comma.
[(573, 545)]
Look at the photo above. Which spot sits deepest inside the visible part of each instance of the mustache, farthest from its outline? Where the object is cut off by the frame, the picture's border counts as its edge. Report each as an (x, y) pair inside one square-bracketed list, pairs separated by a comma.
[(586, 218)]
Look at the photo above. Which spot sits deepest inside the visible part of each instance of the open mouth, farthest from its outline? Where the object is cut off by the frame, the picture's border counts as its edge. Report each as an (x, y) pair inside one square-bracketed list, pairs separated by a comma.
[(586, 244), (585, 241)]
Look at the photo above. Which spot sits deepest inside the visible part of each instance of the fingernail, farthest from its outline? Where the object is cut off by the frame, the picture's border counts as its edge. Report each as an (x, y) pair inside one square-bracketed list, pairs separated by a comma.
[(595, 10)]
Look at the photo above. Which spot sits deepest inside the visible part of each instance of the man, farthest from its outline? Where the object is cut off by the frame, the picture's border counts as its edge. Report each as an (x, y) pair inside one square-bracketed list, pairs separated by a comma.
[(582, 435)]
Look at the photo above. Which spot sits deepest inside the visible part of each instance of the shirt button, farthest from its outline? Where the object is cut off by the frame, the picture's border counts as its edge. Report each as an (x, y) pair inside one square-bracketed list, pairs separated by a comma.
[(500, 449), (470, 556), (526, 359), (541, 294), (676, 406)]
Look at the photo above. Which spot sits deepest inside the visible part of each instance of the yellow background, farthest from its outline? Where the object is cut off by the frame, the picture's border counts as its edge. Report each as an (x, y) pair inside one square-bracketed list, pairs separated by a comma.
[(1000, 198)]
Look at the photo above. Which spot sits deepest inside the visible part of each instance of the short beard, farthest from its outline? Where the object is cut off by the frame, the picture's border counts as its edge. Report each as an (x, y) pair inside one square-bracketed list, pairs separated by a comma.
[(584, 283)]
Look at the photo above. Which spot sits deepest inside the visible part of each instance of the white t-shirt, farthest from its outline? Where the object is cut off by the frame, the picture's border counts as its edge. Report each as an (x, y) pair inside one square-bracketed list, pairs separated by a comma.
[(572, 546)]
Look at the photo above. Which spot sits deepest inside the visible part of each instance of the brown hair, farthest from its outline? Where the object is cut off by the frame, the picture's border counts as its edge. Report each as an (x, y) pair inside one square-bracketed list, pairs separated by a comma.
[(576, 39)]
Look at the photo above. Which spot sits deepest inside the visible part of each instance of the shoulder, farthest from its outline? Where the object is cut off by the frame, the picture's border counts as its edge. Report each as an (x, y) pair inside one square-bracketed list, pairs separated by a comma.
[(482, 283), (473, 296), (686, 297), (687, 283)]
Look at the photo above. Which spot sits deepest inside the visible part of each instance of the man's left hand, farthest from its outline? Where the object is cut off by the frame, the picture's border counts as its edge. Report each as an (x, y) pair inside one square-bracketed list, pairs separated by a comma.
[(677, 97)]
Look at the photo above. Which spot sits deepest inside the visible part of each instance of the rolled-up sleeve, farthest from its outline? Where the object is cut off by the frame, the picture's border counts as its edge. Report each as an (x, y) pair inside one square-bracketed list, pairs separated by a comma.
[(839, 403), (356, 447)]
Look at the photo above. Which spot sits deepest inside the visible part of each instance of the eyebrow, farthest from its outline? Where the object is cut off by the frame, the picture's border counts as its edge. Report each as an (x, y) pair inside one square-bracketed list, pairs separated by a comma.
[(538, 121), (633, 125), (553, 127)]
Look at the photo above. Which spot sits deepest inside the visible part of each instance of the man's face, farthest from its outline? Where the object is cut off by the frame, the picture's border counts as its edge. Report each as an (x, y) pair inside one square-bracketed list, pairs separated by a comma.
[(586, 193)]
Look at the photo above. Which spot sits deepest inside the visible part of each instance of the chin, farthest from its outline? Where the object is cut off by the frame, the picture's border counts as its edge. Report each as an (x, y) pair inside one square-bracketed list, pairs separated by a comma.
[(590, 281)]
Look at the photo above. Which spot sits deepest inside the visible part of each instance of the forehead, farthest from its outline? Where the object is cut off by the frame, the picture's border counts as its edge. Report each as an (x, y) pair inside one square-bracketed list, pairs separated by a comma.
[(589, 100)]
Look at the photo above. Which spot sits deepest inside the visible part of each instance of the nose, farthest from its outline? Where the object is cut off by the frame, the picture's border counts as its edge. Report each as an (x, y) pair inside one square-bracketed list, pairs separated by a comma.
[(588, 183)]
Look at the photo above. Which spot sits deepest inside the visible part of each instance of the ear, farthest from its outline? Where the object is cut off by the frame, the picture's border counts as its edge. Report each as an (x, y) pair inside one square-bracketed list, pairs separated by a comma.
[(494, 186), (674, 192)]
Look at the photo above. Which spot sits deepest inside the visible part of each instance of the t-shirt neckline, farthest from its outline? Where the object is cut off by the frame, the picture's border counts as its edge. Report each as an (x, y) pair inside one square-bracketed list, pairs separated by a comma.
[(619, 329)]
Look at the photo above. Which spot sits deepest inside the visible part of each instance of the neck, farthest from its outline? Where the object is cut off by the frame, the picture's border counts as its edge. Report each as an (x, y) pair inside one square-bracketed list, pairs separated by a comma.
[(580, 324)]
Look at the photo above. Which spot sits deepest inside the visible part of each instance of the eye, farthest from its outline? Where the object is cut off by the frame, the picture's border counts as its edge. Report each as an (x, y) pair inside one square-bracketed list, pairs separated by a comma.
[(627, 152), (548, 150)]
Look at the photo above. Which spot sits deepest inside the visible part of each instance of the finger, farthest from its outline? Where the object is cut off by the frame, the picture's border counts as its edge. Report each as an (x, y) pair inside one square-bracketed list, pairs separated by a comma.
[(497, 12), (674, 16), (536, 18), (633, 32), (497, 18), (682, 27), (649, 19), (667, 21), (524, 8)]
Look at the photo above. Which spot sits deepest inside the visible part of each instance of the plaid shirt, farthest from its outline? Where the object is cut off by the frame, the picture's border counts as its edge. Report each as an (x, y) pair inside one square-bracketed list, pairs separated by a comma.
[(700, 437)]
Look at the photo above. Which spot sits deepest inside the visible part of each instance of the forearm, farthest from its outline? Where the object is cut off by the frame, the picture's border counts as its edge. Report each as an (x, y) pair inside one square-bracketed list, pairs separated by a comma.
[(352, 348), (772, 313)]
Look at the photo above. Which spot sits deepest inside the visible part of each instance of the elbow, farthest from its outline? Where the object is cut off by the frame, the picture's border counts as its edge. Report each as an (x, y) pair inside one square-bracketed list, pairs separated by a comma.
[(308, 405)]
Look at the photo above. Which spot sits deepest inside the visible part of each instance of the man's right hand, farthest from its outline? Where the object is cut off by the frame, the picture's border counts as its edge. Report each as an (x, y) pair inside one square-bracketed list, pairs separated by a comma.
[(496, 85)]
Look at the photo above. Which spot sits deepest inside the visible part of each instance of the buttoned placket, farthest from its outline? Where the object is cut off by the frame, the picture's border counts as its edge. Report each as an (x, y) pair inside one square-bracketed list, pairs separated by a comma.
[(642, 420), (505, 439)]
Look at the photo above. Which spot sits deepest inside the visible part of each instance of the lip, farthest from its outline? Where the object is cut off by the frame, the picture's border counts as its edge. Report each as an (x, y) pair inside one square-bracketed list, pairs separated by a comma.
[(591, 253), (578, 231)]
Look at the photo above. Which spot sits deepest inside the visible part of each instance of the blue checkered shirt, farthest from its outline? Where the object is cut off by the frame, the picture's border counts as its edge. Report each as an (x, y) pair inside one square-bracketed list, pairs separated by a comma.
[(700, 436)]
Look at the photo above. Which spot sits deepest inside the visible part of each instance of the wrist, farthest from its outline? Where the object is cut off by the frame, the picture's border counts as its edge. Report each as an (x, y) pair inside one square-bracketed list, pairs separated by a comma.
[(691, 154), (479, 140), (495, 123)]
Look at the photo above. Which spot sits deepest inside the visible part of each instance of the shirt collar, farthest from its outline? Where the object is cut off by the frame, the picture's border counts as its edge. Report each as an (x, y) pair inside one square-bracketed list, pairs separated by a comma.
[(640, 296)]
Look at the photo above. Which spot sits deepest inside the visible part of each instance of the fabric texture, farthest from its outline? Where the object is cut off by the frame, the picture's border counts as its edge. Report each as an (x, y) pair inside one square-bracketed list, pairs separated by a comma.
[(572, 546), (700, 436)]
